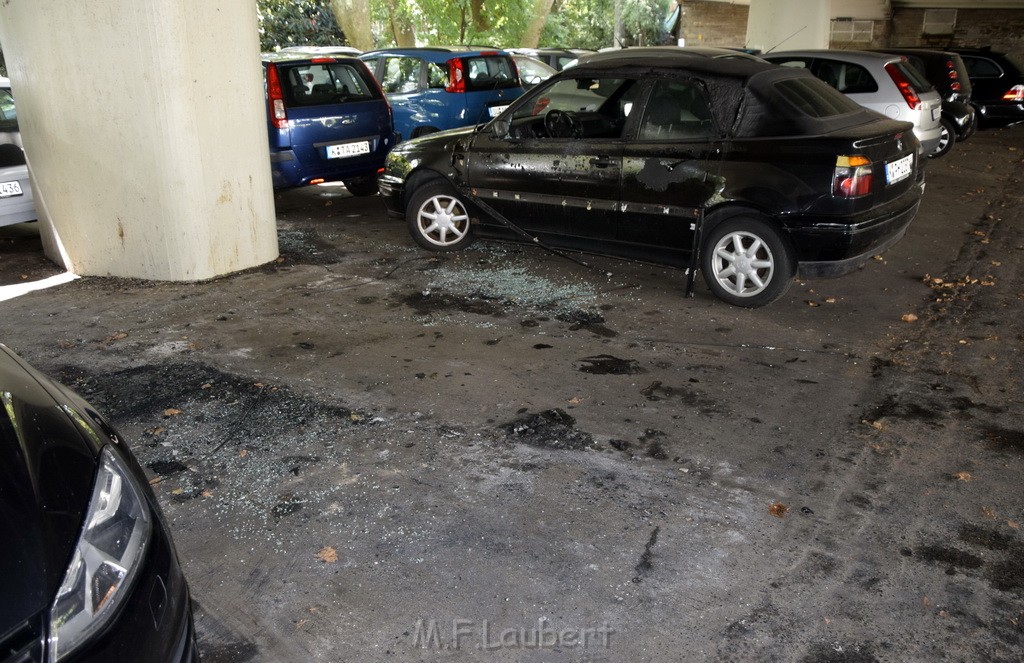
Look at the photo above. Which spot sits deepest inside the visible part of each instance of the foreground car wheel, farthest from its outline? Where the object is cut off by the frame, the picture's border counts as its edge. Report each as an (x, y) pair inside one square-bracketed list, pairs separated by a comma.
[(746, 262), (946, 139), (438, 218), (366, 186)]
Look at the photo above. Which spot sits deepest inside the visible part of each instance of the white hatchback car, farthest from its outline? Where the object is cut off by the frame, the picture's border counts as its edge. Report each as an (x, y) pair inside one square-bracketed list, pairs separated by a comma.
[(879, 81), (16, 202)]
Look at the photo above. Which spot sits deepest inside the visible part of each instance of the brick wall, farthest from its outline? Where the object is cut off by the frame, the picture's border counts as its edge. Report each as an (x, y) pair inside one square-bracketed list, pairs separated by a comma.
[(1003, 29), (714, 23)]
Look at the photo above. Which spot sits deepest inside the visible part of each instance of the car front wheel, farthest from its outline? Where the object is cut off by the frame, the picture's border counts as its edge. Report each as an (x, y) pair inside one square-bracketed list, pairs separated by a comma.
[(438, 218), (746, 262)]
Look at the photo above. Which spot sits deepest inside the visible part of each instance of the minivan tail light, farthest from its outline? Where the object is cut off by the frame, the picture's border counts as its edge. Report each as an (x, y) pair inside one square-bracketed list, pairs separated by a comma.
[(905, 86), (456, 76), (852, 177), (275, 98), (1015, 93)]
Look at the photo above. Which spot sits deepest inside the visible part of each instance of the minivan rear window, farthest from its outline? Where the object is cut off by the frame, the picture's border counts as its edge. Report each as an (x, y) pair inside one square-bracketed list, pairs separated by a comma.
[(322, 83), (489, 72), (815, 97)]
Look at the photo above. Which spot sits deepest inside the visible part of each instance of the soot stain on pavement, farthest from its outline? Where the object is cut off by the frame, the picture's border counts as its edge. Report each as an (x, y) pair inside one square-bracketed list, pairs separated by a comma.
[(551, 429), (1005, 439), (305, 247), (646, 562), (837, 653), (427, 303), (608, 365), (657, 391), (587, 320)]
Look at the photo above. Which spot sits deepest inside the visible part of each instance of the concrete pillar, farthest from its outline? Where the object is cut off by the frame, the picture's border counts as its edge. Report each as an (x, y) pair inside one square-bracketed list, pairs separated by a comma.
[(786, 25), (145, 130)]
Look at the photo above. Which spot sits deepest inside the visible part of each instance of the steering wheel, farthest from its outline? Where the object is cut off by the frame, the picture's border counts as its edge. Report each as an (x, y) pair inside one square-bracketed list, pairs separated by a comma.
[(560, 124)]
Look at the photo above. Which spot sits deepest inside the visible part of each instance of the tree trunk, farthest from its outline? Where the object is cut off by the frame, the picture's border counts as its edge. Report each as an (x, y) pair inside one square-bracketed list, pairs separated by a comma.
[(617, 28), (354, 18), (480, 20), (531, 35), (401, 27)]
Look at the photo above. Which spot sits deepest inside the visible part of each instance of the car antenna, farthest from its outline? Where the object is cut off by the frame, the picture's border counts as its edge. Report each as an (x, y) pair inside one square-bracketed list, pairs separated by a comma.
[(785, 40)]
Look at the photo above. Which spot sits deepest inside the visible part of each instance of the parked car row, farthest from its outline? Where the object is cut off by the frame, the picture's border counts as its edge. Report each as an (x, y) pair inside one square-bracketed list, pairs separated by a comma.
[(698, 158)]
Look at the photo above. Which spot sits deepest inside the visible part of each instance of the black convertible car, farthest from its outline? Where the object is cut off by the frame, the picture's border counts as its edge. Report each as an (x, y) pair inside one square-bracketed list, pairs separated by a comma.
[(748, 171), (89, 571)]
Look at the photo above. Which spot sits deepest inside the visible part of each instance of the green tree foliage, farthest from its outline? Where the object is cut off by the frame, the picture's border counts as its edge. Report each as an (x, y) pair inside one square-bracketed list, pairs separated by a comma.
[(297, 23), (588, 23), (570, 23)]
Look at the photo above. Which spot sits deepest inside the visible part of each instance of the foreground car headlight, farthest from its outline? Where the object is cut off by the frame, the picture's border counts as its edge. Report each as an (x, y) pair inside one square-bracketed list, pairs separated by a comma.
[(109, 552)]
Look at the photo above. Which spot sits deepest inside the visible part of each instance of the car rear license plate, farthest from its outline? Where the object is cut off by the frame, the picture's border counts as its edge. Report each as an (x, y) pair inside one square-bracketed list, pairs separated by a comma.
[(348, 149), (10, 189), (899, 169), (495, 111), (936, 112)]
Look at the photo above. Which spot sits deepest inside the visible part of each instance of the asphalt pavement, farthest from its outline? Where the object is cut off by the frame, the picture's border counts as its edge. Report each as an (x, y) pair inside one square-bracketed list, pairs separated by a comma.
[(372, 453)]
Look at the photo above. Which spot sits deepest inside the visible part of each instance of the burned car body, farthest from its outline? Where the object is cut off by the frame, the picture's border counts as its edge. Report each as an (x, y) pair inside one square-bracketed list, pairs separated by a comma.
[(751, 171)]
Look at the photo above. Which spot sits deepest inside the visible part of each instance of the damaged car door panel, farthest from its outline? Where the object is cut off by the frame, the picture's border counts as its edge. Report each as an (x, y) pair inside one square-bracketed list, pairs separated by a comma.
[(751, 172)]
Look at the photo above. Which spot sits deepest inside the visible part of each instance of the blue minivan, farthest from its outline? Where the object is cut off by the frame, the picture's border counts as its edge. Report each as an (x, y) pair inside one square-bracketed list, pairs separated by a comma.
[(328, 121), (444, 87)]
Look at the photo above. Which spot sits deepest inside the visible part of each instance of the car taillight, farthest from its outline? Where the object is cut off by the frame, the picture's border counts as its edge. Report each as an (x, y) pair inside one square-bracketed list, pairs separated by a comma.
[(1015, 93), (906, 87), (456, 76), (852, 178), (275, 98)]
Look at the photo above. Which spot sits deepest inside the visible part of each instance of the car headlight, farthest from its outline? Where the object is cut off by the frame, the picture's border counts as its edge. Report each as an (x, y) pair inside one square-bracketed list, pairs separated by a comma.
[(109, 552)]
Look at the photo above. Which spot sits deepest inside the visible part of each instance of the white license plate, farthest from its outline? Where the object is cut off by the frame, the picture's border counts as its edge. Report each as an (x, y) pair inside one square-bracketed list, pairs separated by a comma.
[(936, 112), (348, 149), (495, 111), (899, 169), (10, 189)]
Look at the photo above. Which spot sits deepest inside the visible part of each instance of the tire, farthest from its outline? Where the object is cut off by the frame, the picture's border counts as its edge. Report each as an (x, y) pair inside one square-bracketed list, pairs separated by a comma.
[(736, 277), (946, 141), (439, 218), (365, 186)]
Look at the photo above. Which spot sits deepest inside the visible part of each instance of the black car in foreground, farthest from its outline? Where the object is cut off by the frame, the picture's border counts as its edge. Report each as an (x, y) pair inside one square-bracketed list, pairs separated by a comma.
[(89, 571), (749, 171)]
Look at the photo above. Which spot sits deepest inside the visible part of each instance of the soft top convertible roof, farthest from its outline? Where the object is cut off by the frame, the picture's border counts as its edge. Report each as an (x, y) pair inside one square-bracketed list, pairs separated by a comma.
[(746, 101)]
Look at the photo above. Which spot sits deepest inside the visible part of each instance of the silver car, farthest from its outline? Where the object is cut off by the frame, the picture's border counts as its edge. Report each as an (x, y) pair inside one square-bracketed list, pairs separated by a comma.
[(16, 203), (879, 81)]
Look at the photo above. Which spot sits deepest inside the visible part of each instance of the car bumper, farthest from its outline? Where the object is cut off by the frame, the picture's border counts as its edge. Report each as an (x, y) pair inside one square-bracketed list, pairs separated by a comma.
[(1003, 112), (929, 138), (826, 249), (391, 193), (287, 170)]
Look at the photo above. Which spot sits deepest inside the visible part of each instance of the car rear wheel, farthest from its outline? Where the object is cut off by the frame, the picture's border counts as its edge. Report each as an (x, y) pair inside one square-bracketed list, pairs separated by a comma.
[(438, 218), (365, 186), (946, 139), (746, 262)]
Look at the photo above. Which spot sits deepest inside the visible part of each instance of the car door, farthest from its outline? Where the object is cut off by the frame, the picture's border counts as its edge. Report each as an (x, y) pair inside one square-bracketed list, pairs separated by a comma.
[(552, 162), (668, 171)]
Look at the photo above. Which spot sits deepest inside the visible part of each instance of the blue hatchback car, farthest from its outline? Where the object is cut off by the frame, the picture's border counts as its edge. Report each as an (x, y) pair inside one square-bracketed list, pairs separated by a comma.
[(328, 121), (444, 87)]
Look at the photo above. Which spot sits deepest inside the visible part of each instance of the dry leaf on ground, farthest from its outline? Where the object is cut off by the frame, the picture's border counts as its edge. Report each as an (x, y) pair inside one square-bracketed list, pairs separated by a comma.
[(328, 555), (778, 509), (963, 476)]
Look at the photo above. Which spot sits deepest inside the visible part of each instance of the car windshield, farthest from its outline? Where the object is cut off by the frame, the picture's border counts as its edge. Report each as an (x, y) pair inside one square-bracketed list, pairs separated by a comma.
[(489, 72), (325, 83)]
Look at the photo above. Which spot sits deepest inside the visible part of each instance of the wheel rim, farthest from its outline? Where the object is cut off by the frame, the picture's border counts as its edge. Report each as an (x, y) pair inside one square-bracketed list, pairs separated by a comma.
[(943, 140), (442, 220), (742, 264)]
